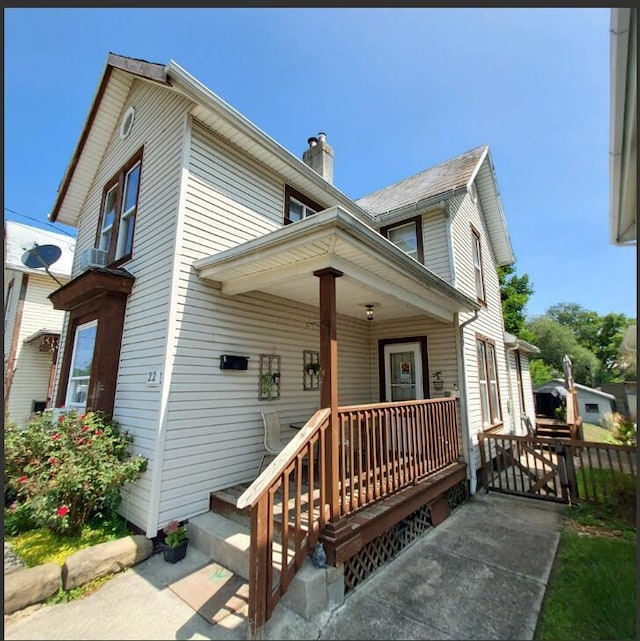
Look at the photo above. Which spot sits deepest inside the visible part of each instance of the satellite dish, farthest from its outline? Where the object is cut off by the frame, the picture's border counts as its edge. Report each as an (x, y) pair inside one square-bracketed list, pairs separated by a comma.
[(42, 256)]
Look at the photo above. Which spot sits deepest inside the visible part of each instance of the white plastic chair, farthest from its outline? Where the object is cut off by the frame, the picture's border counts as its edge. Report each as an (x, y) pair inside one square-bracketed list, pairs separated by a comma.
[(272, 441)]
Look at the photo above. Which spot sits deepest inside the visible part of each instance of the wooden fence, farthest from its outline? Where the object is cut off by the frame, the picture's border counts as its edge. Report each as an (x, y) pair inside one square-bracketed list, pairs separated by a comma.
[(563, 470)]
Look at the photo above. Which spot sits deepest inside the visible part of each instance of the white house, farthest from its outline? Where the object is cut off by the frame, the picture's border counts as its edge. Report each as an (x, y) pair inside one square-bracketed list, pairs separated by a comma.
[(210, 259), (31, 325)]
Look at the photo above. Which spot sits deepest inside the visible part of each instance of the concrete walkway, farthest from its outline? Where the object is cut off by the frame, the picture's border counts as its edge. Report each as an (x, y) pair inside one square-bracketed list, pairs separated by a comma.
[(479, 575)]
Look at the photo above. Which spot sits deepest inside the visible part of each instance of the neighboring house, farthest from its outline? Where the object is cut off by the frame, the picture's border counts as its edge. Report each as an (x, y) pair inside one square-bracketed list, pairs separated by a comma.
[(593, 403), (211, 259), (623, 136), (31, 324), (626, 395)]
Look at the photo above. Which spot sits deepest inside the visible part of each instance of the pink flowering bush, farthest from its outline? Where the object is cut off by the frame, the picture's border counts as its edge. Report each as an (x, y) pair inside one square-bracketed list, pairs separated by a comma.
[(67, 472)]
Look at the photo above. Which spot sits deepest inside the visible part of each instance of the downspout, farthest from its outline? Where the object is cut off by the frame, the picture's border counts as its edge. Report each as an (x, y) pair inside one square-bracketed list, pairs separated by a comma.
[(510, 400), (462, 385)]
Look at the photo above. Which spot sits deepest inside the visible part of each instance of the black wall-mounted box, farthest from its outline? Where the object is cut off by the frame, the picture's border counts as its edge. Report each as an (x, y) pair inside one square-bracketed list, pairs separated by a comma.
[(227, 361)]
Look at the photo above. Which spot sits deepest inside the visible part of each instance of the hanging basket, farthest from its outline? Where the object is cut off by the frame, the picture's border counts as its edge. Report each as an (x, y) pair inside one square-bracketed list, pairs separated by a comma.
[(438, 385), (174, 554)]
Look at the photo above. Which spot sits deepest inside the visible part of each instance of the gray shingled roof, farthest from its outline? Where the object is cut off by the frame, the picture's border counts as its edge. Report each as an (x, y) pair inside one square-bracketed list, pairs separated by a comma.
[(434, 181)]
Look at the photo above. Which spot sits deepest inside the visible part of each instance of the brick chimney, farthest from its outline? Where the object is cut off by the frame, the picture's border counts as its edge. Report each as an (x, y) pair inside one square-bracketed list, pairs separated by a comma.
[(319, 156)]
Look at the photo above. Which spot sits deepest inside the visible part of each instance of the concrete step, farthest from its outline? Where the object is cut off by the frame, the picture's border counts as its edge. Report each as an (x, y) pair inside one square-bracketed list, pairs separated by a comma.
[(223, 540), (228, 543)]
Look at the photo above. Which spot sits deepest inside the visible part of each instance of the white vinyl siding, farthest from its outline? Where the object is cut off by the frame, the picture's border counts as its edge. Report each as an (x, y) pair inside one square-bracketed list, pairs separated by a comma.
[(489, 323), (214, 426), (159, 127), (31, 378), (436, 244)]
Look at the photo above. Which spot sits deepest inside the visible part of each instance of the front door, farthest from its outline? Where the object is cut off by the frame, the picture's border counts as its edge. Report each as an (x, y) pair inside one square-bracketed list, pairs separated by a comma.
[(403, 372)]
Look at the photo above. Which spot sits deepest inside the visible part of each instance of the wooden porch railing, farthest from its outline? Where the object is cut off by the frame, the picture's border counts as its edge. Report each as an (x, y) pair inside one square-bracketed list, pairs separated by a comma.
[(388, 446), (382, 448)]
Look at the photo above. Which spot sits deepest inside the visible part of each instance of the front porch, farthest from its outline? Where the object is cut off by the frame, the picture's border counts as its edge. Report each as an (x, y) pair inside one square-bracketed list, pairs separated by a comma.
[(353, 472), (398, 470)]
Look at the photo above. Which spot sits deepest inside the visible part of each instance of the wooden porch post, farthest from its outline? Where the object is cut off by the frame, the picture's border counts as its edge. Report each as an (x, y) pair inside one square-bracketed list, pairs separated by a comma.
[(329, 376)]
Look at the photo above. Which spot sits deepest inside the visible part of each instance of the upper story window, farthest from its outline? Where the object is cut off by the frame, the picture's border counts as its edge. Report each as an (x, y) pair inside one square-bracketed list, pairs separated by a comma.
[(297, 206), (407, 235), (488, 379), (477, 265), (118, 214)]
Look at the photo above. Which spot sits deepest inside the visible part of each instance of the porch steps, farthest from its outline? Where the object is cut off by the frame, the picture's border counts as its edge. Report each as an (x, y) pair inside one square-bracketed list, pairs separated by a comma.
[(223, 540), (227, 542)]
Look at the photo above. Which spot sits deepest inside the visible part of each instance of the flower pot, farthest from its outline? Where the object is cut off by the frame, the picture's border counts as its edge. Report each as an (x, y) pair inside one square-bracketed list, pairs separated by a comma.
[(175, 554), (438, 385)]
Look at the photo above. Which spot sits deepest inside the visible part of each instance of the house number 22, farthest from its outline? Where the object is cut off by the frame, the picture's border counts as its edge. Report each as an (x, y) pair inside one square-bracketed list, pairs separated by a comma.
[(154, 377)]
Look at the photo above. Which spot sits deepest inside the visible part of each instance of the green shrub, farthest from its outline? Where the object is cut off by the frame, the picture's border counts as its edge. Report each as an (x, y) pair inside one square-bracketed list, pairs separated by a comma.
[(67, 472), (623, 430), (18, 517)]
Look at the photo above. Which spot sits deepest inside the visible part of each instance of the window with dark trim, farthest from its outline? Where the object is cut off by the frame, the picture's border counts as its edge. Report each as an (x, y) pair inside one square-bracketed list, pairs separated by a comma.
[(406, 235), (297, 206), (591, 407), (478, 269), (488, 380), (117, 222)]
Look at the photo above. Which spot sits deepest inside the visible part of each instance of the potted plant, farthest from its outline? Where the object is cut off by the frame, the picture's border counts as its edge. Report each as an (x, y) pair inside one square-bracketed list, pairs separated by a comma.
[(267, 385), (175, 543), (313, 369), (438, 383)]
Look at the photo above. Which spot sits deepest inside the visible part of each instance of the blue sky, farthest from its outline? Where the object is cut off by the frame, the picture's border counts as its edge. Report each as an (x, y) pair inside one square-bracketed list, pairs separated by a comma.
[(396, 90)]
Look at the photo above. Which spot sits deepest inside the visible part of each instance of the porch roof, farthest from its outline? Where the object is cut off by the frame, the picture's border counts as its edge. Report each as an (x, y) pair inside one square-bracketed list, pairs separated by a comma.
[(374, 270)]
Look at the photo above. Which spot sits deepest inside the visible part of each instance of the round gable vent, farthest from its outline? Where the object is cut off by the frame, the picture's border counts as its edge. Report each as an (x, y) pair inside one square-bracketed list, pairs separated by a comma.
[(127, 123)]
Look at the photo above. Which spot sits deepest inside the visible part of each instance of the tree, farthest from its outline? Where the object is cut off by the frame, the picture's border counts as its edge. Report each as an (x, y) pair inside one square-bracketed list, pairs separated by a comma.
[(515, 292), (601, 335), (555, 340)]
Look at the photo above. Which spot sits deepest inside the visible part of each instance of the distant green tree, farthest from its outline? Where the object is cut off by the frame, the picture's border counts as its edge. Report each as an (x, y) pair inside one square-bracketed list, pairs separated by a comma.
[(515, 292), (556, 340), (541, 372), (601, 335)]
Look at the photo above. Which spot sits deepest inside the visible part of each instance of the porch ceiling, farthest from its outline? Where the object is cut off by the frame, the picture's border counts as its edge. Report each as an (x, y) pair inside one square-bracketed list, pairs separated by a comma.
[(375, 270)]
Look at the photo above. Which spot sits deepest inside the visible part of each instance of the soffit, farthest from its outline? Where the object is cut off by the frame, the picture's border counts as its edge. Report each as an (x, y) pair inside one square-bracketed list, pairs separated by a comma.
[(374, 270)]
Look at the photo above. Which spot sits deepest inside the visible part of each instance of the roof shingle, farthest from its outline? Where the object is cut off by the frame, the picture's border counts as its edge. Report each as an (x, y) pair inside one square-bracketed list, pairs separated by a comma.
[(433, 181)]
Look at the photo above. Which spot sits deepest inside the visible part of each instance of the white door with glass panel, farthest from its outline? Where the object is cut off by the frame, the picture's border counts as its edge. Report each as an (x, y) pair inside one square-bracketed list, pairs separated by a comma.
[(403, 372)]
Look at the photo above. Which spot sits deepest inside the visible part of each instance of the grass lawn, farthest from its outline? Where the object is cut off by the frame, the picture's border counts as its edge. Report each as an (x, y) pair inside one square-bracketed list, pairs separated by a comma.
[(592, 588), (595, 433), (40, 545)]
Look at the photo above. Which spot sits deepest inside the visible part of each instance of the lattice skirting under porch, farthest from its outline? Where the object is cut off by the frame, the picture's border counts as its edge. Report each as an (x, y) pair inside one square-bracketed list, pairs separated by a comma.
[(385, 547)]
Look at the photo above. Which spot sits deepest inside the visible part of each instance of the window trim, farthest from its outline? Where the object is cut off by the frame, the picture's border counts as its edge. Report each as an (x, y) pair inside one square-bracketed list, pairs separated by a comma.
[(489, 343), (79, 328), (289, 193), (419, 240), (476, 241), (118, 181)]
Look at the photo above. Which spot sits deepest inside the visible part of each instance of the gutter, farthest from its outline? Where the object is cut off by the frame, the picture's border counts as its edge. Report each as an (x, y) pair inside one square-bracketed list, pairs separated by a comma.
[(440, 199)]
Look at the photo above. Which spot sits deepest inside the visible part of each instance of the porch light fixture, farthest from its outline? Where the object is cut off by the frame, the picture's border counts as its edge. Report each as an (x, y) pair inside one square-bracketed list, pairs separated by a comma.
[(369, 312)]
